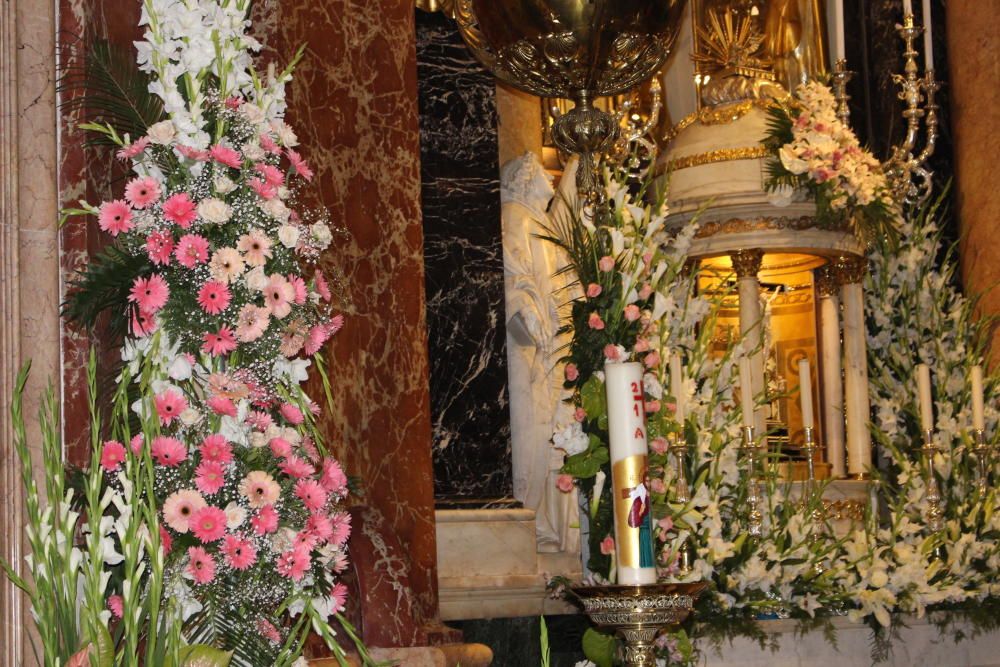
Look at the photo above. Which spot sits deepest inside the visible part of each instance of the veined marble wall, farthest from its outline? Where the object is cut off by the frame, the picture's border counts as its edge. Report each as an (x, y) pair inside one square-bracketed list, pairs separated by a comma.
[(464, 267)]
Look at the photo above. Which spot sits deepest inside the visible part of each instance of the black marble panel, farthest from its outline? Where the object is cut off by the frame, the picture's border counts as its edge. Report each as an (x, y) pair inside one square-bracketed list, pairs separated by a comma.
[(464, 267)]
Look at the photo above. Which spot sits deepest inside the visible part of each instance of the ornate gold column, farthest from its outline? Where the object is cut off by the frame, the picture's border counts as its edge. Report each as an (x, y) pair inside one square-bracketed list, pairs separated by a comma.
[(828, 294), (973, 60), (746, 264), (849, 273)]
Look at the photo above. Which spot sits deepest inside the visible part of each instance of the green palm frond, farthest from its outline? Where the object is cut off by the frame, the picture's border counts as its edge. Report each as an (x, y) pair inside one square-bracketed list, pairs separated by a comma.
[(105, 86), (222, 627), (103, 285)]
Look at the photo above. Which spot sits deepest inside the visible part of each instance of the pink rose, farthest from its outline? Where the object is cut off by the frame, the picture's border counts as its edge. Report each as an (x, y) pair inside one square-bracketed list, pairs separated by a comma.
[(659, 445), (606, 263), (593, 290), (612, 352), (571, 372), (641, 345), (608, 545), (666, 524), (580, 414), (652, 407), (646, 291), (564, 483), (595, 322), (652, 360), (632, 312)]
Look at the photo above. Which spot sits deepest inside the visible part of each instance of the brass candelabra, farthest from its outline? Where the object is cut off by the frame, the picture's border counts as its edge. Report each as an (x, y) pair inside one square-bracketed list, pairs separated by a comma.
[(682, 495), (755, 518), (934, 514), (983, 456)]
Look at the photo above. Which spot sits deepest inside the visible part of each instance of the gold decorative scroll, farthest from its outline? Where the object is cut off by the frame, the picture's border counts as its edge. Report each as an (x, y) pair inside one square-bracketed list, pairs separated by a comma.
[(718, 155)]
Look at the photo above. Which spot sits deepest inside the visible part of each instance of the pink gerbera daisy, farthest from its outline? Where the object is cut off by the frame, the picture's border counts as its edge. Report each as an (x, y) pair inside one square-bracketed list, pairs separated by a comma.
[(135, 444), (295, 467), (150, 294), (191, 249), (268, 631), (208, 524), (322, 288), (252, 322), (159, 247), (259, 420), (268, 144), (278, 295), (271, 174), (333, 478), (280, 447), (115, 217), (299, 285), (293, 564), (201, 566), (239, 553), (112, 455), (180, 210), (169, 406), (180, 506), (260, 489), (320, 526), (209, 477), (165, 540), (142, 192), (341, 528), (222, 405), (299, 165), (216, 448), (266, 521), (133, 149), (318, 334), (225, 155), (168, 451), (214, 297), (217, 344), (256, 248), (312, 495), (338, 596), (143, 323)]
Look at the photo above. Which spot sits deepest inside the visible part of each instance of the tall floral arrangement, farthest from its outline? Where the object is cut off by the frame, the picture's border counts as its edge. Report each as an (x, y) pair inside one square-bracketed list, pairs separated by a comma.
[(226, 311), (815, 152), (640, 302)]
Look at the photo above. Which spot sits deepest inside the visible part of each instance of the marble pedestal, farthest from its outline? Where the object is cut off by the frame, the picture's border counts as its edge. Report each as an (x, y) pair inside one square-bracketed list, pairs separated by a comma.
[(488, 565)]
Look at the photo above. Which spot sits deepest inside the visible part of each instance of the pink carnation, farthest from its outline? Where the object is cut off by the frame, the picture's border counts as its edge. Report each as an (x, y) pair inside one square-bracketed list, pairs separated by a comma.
[(595, 322), (116, 606), (593, 290), (142, 192), (225, 155), (115, 217), (168, 451), (268, 631), (201, 566), (112, 455), (280, 447), (259, 420), (299, 165), (208, 524), (150, 294), (295, 467)]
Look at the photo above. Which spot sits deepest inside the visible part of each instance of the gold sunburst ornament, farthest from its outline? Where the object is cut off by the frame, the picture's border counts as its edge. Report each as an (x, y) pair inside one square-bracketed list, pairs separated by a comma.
[(731, 47)]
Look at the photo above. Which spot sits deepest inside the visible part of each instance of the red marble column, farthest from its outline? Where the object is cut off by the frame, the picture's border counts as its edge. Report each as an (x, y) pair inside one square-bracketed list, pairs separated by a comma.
[(974, 65), (353, 102)]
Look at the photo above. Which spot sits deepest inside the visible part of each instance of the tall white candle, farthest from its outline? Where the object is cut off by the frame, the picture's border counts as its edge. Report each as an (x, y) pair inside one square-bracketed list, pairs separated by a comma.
[(926, 404), (634, 559), (907, 7), (677, 386), (746, 391), (928, 40), (978, 413), (839, 50), (806, 393)]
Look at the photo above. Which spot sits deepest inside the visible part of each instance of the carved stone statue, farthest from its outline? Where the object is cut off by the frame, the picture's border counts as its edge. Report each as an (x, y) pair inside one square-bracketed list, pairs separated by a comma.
[(533, 295)]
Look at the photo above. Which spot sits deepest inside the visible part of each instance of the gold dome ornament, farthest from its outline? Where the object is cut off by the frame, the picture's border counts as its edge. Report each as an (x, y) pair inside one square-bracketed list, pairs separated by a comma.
[(576, 49)]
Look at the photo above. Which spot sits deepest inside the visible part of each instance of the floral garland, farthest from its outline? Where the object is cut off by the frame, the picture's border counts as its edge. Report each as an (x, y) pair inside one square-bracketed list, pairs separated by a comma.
[(812, 150), (225, 310), (640, 304)]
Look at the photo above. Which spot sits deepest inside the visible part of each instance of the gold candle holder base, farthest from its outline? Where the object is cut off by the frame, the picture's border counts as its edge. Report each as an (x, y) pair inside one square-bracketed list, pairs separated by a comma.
[(638, 613)]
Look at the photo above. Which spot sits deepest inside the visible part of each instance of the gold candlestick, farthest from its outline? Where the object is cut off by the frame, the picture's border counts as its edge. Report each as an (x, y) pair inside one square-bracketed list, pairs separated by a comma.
[(934, 514), (809, 494), (682, 495), (840, 78)]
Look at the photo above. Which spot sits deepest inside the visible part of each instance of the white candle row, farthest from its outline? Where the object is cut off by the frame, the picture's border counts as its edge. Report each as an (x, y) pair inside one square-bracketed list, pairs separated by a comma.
[(927, 403), (836, 19)]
